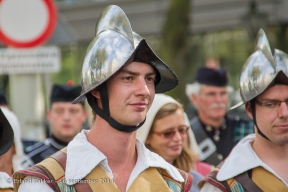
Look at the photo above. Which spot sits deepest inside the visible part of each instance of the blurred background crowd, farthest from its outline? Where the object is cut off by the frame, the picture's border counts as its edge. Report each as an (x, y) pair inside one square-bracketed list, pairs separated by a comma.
[(186, 34)]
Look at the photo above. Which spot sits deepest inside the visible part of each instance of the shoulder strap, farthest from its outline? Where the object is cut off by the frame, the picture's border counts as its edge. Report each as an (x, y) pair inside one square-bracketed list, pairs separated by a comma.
[(247, 183), (6, 190), (211, 178), (188, 180), (61, 157), (38, 171), (208, 150)]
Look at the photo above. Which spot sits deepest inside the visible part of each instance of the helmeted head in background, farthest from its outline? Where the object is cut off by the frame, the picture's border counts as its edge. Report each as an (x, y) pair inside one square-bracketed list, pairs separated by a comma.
[(14, 123), (114, 45), (65, 118), (209, 92), (146, 130), (8, 150), (265, 68), (6, 134)]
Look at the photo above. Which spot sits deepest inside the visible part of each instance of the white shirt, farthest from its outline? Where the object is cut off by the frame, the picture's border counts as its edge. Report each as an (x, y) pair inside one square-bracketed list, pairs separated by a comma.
[(78, 168), (242, 158), (5, 181)]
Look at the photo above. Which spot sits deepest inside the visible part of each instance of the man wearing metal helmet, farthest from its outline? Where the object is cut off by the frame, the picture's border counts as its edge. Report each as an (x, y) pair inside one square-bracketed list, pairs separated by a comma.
[(120, 75), (216, 131), (7, 151), (259, 161)]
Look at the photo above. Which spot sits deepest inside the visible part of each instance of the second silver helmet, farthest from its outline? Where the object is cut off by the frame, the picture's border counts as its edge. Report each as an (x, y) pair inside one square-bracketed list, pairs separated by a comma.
[(261, 69)]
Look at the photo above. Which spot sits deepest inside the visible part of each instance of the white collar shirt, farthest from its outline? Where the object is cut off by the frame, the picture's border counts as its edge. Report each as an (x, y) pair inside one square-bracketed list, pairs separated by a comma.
[(242, 158), (83, 157), (5, 181)]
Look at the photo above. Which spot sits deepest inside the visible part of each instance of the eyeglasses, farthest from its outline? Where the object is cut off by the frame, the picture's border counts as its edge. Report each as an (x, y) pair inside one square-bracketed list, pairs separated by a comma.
[(170, 134), (271, 105)]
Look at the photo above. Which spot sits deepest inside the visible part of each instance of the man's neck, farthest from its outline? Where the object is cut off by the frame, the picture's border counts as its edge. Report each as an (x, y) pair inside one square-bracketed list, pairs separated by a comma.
[(119, 147), (275, 156), (216, 123)]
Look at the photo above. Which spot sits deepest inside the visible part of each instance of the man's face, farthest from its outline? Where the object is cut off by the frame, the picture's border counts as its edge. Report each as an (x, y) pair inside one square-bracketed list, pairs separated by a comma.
[(66, 119), (211, 102), (273, 120), (131, 92)]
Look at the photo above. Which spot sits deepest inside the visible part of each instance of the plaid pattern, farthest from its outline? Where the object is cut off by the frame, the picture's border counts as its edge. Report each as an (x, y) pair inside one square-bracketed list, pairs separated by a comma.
[(241, 129)]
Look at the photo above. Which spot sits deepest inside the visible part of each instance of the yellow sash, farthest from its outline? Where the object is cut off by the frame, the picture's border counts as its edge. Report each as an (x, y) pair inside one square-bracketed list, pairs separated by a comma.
[(149, 180), (267, 181), (6, 190), (98, 180)]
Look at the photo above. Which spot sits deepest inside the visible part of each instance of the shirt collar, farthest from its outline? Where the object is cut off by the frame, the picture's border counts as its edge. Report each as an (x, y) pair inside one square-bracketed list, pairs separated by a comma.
[(242, 158), (76, 170), (57, 143), (5, 181)]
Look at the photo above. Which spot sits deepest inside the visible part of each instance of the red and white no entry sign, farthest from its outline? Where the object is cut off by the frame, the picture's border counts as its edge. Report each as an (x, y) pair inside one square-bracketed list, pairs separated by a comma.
[(26, 23)]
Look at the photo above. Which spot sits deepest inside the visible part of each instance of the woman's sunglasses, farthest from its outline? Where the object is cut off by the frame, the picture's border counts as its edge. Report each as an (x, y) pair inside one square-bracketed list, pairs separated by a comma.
[(170, 134)]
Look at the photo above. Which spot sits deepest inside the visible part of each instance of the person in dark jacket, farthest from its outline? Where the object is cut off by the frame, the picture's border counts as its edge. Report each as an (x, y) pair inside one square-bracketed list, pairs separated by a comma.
[(66, 121), (216, 131)]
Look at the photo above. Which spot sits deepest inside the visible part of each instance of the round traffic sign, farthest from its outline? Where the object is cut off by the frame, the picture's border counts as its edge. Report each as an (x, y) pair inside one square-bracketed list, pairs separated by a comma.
[(26, 23)]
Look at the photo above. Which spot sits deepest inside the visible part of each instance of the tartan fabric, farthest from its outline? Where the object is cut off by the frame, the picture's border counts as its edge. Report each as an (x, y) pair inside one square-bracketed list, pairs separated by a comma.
[(242, 129)]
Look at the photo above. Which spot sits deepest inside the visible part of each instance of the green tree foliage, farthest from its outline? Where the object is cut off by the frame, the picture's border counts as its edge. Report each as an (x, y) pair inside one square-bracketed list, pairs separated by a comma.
[(71, 64), (175, 34)]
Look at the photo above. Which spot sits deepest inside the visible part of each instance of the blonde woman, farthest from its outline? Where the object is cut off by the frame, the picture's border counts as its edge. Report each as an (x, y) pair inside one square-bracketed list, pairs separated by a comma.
[(166, 132)]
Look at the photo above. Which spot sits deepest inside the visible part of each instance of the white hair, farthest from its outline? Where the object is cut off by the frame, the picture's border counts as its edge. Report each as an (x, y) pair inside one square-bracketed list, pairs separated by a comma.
[(195, 87)]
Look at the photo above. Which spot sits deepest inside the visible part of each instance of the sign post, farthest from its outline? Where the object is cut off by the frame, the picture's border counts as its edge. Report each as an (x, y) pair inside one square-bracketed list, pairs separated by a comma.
[(24, 26)]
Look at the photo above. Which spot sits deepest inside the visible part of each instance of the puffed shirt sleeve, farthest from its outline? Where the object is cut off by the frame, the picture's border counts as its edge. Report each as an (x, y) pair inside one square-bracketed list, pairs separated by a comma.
[(207, 187), (29, 185)]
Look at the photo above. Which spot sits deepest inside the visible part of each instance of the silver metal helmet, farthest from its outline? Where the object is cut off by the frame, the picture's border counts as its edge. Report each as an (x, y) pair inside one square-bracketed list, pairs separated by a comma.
[(114, 45), (261, 69)]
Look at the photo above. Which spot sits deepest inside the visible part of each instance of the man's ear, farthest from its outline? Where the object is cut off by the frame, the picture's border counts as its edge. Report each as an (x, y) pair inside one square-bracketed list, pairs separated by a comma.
[(248, 109), (48, 114), (194, 99), (96, 93)]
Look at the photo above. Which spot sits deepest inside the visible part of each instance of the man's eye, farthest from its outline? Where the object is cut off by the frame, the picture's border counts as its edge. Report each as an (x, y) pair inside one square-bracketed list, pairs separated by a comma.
[(59, 111), (270, 104), (150, 79), (127, 78), (74, 111), (211, 94)]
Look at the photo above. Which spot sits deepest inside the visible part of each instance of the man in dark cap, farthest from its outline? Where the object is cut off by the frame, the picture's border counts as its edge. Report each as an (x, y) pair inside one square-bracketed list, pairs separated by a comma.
[(216, 131), (7, 151), (66, 120)]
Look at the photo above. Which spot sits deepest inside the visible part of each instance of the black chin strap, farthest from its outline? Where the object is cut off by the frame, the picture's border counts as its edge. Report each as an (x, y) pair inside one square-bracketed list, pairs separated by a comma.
[(252, 103), (105, 113)]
